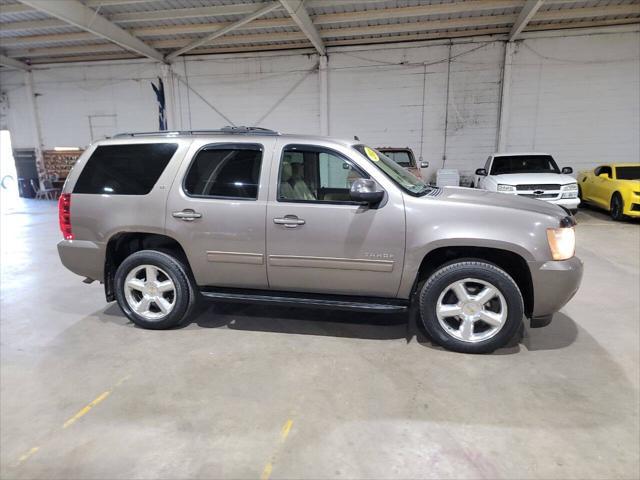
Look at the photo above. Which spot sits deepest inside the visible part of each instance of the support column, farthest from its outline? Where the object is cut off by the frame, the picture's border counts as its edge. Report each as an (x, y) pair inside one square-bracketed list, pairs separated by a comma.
[(505, 97), (37, 130), (169, 97), (324, 95)]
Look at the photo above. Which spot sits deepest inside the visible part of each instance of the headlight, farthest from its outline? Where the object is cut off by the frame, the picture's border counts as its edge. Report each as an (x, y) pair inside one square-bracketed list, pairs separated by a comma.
[(569, 191), (506, 188), (562, 242)]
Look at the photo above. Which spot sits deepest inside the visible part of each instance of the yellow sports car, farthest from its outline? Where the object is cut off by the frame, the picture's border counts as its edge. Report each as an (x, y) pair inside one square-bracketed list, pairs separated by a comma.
[(614, 187)]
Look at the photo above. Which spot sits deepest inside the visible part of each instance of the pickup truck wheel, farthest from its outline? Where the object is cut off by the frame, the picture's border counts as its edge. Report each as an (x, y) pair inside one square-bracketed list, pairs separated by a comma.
[(153, 290), (471, 306)]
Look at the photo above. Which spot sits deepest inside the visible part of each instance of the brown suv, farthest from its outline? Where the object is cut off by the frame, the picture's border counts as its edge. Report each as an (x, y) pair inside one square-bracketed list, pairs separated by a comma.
[(249, 215)]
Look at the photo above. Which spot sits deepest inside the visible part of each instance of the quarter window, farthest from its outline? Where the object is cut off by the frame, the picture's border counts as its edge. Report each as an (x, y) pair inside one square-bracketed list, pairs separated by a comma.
[(124, 169), (314, 174), (225, 171)]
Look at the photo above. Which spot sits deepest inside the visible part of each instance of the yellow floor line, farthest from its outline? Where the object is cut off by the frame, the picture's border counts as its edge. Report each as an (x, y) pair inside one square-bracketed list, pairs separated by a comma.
[(84, 410), (25, 457), (286, 429), (81, 413), (266, 473), (284, 433)]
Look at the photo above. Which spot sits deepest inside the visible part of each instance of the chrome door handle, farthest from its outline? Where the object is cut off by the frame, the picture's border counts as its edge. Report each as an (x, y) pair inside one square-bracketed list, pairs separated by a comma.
[(187, 215), (289, 221)]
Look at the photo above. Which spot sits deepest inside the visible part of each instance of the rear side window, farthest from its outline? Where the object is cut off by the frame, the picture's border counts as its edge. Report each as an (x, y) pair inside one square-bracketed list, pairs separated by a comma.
[(225, 171), (125, 169)]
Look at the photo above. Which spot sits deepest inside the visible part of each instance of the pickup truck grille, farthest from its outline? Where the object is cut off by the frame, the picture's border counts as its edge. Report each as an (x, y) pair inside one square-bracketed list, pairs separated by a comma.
[(540, 186), (544, 195)]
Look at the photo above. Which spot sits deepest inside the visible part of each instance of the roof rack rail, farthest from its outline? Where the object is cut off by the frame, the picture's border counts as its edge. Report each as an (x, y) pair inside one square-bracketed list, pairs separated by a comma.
[(224, 130)]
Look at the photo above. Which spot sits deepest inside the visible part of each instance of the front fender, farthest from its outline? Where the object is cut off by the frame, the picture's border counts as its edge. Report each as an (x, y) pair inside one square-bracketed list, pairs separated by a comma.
[(414, 258)]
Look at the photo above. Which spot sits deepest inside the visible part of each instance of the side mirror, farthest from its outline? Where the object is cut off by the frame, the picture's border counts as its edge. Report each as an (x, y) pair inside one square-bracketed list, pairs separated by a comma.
[(364, 190), (482, 172), (424, 164), (567, 170), (604, 175)]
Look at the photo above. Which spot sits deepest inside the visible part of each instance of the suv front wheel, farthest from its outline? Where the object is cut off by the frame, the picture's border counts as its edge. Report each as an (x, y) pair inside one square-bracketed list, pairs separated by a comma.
[(154, 290), (471, 306)]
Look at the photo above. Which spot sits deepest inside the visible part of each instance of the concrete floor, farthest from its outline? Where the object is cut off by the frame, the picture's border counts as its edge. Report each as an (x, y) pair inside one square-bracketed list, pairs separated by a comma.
[(245, 392)]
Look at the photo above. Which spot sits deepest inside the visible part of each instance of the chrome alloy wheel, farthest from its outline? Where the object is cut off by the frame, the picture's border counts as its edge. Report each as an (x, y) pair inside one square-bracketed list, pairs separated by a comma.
[(150, 292), (471, 310)]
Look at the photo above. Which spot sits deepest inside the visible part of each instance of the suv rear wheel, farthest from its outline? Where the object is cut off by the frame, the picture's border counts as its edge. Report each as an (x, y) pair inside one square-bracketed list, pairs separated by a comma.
[(471, 306), (154, 290)]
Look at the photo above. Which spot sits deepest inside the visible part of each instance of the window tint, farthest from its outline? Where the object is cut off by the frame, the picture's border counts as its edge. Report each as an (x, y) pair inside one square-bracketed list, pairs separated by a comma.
[(225, 171), (316, 174), (628, 173), (125, 169)]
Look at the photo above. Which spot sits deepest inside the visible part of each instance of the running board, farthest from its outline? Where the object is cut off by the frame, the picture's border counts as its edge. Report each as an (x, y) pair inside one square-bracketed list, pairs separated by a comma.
[(289, 299)]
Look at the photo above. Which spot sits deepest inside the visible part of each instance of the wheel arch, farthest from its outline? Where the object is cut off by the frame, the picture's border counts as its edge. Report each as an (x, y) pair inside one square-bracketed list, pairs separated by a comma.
[(123, 244), (511, 262)]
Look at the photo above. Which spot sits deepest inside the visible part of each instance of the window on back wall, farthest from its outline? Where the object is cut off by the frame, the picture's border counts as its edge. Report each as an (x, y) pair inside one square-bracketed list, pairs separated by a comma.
[(225, 172)]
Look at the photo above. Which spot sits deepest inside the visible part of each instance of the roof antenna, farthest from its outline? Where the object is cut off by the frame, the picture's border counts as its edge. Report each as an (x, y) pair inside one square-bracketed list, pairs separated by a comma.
[(355, 137)]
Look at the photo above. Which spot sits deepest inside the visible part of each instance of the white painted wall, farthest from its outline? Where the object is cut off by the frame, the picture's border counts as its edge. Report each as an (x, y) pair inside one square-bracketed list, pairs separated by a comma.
[(577, 97)]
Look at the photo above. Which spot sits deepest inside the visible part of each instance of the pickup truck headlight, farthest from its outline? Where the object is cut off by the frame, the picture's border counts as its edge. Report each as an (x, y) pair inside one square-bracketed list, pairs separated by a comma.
[(562, 242), (506, 188), (570, 190)]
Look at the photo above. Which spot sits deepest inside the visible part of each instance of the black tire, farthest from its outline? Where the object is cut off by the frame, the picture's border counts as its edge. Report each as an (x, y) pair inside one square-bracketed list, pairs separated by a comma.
[(184, 295), (439, 283), (616, 207)]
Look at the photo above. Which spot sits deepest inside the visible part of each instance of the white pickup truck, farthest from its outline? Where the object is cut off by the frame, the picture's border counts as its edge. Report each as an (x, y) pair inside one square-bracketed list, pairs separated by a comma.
[(533, 175)]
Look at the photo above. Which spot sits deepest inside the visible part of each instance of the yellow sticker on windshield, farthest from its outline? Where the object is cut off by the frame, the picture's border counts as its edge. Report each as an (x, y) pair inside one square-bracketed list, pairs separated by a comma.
[(371, 154)]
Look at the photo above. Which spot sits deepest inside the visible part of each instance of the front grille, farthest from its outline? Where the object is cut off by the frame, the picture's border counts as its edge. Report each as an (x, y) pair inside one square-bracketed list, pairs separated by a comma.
[(539, 186), (544, 195)]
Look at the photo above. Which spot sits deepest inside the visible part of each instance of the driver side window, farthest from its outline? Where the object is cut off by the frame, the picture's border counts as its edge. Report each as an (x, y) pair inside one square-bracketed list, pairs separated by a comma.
[(603, 169), (315, 174)]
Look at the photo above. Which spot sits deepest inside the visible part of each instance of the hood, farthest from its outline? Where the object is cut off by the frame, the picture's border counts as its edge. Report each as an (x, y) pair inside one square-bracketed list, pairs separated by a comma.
[(476, 197), (532, 178)]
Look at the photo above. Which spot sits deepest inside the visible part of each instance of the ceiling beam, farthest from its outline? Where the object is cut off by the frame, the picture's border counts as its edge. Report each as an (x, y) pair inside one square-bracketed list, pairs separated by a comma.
[(228, 49), (13, 63), (223, 31), (75, 13), (323, 19), (529, 9), (299, 15), (241, 41)]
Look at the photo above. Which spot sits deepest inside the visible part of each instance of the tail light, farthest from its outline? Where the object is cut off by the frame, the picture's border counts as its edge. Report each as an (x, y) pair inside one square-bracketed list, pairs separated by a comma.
[(64, 215)]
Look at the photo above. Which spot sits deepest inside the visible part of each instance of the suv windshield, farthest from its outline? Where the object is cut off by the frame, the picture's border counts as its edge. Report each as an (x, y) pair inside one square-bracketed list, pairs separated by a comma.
[(524, 164), (407, 181), (628, 173), (401, 157)]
